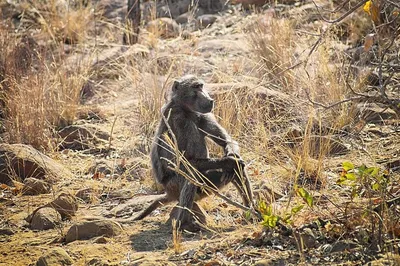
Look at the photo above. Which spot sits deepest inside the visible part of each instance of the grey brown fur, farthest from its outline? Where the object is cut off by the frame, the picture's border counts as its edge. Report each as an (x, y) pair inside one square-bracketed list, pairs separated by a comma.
[(189, 117)]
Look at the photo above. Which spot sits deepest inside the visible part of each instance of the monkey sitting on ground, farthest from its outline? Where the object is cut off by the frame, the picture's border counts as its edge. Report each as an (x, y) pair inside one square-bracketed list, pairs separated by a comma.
[(189, 117)]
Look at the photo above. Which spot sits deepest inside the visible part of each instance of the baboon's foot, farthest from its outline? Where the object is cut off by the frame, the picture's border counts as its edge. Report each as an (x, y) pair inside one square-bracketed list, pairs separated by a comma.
[(185, 220), (197, 214), (190, 226)]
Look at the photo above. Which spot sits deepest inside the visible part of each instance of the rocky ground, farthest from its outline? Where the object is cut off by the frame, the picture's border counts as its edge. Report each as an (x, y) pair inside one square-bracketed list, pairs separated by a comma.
[(67, 205)]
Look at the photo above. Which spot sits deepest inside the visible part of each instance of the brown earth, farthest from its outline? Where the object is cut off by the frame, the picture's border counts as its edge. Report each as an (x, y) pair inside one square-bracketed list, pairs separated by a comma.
[(107, 152)]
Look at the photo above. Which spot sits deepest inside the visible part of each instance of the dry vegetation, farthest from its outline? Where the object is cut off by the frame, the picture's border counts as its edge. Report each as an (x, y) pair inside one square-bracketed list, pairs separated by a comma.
[(299, 94)]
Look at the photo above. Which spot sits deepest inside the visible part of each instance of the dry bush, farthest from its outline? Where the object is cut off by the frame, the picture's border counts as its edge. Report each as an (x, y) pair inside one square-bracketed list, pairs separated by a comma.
[(273, 42), (37, 96), (57, 20)]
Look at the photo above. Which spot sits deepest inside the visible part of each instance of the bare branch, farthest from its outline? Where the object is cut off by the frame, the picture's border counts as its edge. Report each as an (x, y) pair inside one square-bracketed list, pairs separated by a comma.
[(343, 16)]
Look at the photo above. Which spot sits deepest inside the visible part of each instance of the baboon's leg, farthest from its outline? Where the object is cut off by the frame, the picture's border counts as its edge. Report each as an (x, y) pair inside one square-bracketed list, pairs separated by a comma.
[(242, 184), (222, 178), (197, 211), (186, 198), (157, 203)]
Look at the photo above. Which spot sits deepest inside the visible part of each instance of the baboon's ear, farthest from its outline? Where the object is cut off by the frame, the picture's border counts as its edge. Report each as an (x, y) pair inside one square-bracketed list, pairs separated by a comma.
[(175, 85)]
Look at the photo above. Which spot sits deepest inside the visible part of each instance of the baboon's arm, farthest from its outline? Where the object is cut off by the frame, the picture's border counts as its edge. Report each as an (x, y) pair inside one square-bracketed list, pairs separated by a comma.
[(211, 164), (218, 134)]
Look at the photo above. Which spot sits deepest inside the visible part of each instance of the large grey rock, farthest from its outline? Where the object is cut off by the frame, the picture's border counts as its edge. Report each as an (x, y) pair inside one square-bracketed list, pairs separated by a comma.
[(55, 257), (19, 161), (90, 229), (44, 219), (33, 186)]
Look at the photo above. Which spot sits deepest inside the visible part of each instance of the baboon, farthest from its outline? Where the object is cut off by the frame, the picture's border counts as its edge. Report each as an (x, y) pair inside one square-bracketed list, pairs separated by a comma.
[(189, 117)]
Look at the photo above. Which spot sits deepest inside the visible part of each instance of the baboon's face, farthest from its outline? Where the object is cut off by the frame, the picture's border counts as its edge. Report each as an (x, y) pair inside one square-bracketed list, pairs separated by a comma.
[(189, 92)]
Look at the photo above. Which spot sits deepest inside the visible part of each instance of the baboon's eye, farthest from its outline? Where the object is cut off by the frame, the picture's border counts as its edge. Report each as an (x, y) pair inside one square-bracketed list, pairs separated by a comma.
[(193, 94), (197, 86)]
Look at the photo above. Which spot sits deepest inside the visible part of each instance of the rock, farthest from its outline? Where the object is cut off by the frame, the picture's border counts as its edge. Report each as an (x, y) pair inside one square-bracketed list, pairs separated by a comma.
[(99, 262), (306, 238), (164, 27), (19, 161), (89, 229), (120, 194), (56, 257), (184, 18), (33, 186), (100, 240), (86, 194), (76, 137), (6, 232), (205, 21), (344, 245), (65, 204), (44, 219)]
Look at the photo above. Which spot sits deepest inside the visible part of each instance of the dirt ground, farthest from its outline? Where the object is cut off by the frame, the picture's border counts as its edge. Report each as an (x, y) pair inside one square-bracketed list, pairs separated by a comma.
[(116, 169)]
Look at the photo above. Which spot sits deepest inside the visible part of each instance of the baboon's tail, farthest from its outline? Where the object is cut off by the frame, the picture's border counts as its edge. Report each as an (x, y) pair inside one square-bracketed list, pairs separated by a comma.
[(157, 203)]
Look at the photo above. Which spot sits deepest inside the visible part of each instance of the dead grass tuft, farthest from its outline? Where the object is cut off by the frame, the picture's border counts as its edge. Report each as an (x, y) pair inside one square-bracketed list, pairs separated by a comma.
[(37, 96)]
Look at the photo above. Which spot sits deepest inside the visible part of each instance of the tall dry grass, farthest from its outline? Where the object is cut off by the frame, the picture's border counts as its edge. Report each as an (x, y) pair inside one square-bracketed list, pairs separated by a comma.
[(38, 96), (58, 21)]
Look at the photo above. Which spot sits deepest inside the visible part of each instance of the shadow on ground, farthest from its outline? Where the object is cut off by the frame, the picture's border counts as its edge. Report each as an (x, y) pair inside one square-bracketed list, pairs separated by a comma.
[(152, 239)]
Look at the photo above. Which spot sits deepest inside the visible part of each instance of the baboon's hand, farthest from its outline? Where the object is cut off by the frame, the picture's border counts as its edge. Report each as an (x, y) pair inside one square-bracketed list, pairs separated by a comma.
[(233, 154), (233, 162)]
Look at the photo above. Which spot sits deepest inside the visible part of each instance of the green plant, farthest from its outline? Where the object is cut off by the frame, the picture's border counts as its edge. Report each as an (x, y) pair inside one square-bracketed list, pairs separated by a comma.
[(271, 219), (363, 180), (371, 183)]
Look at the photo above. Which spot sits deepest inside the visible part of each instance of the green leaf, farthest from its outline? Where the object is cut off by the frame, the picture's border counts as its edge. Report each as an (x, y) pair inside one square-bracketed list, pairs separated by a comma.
[(362, 170), (354, 193), (351, 176), (305, 196), (376, 186), (270, 221), (262, 206), (347, 166), (374, 172), (247, 215), (296, 209)]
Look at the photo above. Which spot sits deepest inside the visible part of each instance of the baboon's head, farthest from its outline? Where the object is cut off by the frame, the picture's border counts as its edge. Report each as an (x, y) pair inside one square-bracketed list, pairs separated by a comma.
[(189, 93)]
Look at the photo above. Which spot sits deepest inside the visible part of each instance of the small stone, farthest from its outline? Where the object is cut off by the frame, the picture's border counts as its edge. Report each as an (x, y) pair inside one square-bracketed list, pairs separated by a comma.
[(205, 21), (6, 232), (183, 18), (45, 219), (100, 240), (33, 186), (89, 229), (86, 194), (56, 257)]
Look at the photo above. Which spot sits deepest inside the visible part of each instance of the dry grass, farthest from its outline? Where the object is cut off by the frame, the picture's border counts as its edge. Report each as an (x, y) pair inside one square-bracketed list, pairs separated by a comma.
[(38, 96), (57, 20)]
